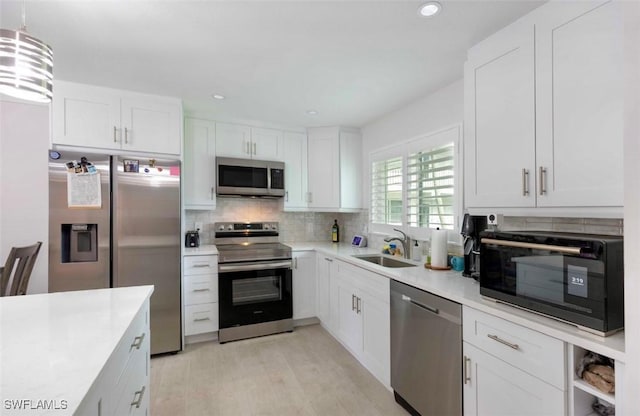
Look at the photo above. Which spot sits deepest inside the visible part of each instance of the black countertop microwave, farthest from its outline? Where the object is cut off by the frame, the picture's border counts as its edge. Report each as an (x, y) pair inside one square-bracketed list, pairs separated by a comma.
[(249, 177), (577, 278)]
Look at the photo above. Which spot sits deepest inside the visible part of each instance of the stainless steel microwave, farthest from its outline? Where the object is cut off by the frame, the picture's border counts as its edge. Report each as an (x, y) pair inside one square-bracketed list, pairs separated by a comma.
[(577, 278), (248, 177)]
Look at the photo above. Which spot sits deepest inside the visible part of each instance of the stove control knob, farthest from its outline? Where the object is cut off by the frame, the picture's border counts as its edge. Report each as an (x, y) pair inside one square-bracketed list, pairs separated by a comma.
[(230, 227), (221, 228), (273, 227), (266, 226)]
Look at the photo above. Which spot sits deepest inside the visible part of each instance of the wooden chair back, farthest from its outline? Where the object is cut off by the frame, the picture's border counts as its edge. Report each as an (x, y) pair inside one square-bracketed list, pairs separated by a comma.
[(19, 264)]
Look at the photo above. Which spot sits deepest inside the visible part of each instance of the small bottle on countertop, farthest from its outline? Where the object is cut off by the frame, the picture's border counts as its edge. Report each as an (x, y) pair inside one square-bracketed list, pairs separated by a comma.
[(335, 232), (417, 252)]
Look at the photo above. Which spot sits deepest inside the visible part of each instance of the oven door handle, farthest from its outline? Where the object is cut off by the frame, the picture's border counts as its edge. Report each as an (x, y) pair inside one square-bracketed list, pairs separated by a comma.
[(242, 267), (561, 249)]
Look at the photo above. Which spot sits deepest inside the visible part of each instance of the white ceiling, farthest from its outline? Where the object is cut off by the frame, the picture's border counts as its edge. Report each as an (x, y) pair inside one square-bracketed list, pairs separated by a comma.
[(352, 61)]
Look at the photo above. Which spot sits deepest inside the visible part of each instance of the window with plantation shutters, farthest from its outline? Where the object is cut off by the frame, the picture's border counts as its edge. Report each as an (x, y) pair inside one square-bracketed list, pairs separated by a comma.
[(430, 188), (386, 191)]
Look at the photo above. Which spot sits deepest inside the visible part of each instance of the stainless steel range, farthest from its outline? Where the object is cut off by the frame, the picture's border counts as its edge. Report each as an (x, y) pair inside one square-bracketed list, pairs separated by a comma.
[(254, 281)]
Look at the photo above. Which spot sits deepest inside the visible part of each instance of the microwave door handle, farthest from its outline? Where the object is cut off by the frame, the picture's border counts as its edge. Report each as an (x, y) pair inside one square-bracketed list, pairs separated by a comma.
[(268, 178), (561, 249)]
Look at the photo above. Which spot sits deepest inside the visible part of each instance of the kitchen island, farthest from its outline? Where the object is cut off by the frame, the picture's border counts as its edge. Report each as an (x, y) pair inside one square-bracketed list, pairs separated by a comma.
[(81, 352)]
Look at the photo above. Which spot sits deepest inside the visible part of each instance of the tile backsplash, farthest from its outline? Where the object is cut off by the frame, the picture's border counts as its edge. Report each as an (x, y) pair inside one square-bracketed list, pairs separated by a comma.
[(294, 226), (608, 226)]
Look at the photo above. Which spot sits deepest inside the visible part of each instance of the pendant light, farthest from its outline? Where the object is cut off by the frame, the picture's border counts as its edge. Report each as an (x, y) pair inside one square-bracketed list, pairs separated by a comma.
[(26, 65)]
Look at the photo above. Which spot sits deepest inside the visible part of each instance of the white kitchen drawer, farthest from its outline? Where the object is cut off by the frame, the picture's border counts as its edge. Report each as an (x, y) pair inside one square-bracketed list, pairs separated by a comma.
[(537, 354), (200, 289), (200, 265), (199, 319)]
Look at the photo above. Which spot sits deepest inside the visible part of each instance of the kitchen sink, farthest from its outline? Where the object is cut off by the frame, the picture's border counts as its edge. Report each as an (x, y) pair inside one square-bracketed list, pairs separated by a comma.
[(384, 261)]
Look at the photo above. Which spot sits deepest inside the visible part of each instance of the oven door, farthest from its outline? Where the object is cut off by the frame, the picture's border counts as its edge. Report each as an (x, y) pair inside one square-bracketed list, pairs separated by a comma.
[(251, 293), (556, 280)]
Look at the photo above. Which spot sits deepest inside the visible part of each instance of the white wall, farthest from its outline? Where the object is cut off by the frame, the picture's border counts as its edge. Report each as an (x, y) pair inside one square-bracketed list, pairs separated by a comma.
[(24, 184), (443, 108), (631, 404)]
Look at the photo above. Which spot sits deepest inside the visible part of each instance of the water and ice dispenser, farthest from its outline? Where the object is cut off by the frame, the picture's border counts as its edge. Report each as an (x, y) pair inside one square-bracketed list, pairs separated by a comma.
[(79, 243)]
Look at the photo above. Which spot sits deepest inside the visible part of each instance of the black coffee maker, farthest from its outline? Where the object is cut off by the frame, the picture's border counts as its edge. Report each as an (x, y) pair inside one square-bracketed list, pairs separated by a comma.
[(472, 225)]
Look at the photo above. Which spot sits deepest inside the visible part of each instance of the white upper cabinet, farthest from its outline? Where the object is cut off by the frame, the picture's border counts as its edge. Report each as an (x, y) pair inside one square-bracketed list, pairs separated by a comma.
[(499, 120), (335, 169), (96, 117), (579, 104), (295, 171), (235, 140), (543, 111), (199, 167)]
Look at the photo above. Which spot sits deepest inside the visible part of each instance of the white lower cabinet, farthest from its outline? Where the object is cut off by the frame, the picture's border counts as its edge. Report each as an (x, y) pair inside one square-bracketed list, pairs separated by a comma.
[(123, 385), (510, 369), (304, 284), (324, 277), (200, 294), (494, 388), (363, 322)]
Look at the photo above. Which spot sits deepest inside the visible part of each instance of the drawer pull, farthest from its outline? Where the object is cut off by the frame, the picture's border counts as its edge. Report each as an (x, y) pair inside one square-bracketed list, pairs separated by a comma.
[(201, 319), (201, 290), (199, 266), (140, 393), (467, 376), (501, 341), (137, 342)]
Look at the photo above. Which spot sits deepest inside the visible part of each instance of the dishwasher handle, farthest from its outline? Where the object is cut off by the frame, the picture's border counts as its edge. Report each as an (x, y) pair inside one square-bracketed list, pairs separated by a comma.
[(421, 305)]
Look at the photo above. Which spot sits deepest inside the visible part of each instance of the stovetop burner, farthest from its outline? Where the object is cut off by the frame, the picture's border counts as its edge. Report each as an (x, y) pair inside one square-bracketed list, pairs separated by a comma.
[(249, 242)]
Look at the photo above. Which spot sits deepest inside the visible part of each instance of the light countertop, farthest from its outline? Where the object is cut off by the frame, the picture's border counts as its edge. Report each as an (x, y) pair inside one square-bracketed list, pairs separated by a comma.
[(466, 291), (53, 346), (203, 250)]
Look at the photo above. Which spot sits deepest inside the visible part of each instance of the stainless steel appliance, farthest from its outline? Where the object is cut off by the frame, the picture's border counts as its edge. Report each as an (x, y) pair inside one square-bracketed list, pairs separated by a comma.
[(578, 278), (472, 225), (254, 281), (426, 351), (119, 228), (249, 177)]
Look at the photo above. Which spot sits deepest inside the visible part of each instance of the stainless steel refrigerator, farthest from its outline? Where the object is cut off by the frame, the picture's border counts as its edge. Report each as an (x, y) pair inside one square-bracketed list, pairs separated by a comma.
[(115, 222)]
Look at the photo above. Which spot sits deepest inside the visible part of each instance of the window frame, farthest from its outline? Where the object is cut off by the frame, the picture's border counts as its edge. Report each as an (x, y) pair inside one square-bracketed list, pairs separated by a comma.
[(425, 142)]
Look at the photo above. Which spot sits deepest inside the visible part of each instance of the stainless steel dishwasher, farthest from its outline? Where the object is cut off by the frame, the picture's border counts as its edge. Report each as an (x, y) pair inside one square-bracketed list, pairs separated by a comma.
[(426, 351)]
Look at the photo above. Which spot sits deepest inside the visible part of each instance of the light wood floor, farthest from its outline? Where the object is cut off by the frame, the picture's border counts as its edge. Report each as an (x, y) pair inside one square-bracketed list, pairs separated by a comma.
[(306, 372)]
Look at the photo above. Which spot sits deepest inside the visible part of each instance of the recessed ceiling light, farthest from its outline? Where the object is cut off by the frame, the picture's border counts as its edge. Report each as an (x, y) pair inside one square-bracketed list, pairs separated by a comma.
[(312, 112), (218, 96), (429, 9)]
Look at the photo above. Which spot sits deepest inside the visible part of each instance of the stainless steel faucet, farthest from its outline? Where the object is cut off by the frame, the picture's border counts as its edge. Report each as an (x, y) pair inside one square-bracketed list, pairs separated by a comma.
[(405, 240)]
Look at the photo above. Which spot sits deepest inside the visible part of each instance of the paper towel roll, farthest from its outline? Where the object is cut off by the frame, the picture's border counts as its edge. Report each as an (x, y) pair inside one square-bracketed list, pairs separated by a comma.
[(439, 248)]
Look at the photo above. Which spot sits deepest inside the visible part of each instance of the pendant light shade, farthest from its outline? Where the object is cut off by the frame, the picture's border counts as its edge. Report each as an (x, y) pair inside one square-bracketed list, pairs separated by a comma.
[(26, 66)]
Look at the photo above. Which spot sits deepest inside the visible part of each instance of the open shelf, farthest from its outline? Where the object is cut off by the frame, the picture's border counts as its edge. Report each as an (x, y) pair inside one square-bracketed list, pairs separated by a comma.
[(584, 394), (588, 388)]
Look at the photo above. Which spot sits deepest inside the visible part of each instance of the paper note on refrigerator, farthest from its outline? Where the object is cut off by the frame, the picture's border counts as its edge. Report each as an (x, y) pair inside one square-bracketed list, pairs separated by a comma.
[(83, 190)]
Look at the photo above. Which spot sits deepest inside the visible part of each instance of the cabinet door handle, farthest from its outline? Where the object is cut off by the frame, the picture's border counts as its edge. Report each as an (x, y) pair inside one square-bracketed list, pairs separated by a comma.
[(201, 319), (201, 290), (467, 374), (353, 302), (254, 148), (126, 135), (358, 303), (140, 394), (200, 266), (525, 182), (328, 259), (295, 263), (212, 193), (114, 134), (501, 341), (543, 177), (246, 148), (309, 197), (286, 196), (137, 342)]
